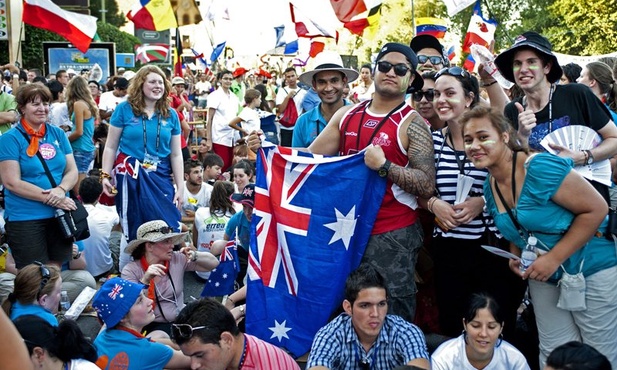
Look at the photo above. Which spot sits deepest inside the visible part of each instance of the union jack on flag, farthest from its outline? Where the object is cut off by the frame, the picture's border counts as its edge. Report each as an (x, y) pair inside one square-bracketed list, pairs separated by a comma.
[(312, 219), (222, 278), (114, 292)]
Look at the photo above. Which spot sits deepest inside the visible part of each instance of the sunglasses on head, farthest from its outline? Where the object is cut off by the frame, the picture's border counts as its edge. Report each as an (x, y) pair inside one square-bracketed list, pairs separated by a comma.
[(162, 230), (428, 93), (433, 59), (184, 331), (453, 71), (400, 69), (45, 276)]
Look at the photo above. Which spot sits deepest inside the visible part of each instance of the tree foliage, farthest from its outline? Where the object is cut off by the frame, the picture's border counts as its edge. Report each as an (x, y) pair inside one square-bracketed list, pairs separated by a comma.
[(113, 15), (585, 28)]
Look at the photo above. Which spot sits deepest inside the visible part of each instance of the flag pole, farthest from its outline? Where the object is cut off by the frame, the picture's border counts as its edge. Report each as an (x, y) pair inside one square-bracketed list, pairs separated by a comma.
[(413, 19)]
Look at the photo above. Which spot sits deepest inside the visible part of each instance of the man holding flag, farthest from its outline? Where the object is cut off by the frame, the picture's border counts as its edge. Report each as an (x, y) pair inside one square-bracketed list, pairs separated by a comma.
[(399, 148)]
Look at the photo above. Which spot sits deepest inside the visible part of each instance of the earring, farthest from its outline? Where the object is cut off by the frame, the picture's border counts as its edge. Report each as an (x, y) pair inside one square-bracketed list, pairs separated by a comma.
[(499, 340)]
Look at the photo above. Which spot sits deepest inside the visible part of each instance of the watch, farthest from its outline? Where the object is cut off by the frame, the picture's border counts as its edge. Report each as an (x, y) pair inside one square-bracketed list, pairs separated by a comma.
[(589, 157), (383, 170)]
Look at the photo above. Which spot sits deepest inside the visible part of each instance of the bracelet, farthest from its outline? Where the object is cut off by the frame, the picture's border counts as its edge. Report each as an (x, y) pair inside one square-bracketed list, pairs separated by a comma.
[(194, 258), (63, 189), (75, 257), (483, 84), (586, 154), (232, 301), (430, 203)]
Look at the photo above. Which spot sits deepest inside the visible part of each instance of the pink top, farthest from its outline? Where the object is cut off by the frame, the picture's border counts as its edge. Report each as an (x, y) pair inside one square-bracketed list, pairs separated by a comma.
[(263, 355)]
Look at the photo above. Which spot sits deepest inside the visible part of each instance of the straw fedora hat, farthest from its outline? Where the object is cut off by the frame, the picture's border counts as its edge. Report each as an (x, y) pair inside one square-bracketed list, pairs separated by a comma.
[(153, 232)]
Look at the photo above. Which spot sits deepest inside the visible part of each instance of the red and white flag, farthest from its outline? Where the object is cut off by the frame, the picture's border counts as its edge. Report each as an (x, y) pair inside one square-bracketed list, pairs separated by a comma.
[(480, 31), (78, 29)]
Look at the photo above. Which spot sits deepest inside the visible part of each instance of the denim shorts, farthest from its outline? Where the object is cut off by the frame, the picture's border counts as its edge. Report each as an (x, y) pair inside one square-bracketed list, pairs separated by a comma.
[(83, 160)]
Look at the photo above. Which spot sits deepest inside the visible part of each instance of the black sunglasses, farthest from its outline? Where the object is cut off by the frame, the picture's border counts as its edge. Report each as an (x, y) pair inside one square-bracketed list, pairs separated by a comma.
[(434, 59), (429, 94), (453, 71), (399, 69), (45, 276), (184, 331), (162, 230)]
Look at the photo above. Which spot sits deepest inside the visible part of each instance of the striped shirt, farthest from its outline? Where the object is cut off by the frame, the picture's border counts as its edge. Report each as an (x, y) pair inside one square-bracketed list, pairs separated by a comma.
[(337, 347), (446, 178), (262, 355)]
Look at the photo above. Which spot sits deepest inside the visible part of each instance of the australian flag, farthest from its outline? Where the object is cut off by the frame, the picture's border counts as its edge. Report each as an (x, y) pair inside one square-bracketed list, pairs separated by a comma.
[(222, 278), (312, 219)]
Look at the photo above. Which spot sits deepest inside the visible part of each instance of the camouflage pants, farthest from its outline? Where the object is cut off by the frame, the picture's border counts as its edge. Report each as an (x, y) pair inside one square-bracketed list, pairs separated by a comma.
[(394, 254)]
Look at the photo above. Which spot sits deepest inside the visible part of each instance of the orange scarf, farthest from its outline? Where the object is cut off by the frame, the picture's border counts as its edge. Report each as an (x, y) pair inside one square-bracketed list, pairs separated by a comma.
[(151, 291), (34, 137)]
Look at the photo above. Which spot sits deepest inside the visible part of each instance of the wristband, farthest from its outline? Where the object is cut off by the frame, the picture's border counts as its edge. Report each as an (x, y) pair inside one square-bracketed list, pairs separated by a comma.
[(231, 300), (63, 189), (488, 84), (75, 257)]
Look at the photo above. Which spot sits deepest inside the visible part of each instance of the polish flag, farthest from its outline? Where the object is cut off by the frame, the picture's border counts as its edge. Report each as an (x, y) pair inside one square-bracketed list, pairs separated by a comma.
[(78, 29)]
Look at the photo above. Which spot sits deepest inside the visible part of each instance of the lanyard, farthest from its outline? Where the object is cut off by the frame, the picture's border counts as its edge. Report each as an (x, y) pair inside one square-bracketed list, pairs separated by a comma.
[(518, 226), (377, 128), (158, 133), (460, 163)]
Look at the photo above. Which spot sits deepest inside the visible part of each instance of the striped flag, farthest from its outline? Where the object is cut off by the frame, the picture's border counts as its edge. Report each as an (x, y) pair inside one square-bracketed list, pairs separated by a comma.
[(431, 26), (154, 15), (78, 29)]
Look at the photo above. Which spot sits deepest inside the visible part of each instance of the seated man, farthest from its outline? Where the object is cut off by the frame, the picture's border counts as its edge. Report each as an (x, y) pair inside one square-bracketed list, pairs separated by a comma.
[(207, 332), (364, 334)]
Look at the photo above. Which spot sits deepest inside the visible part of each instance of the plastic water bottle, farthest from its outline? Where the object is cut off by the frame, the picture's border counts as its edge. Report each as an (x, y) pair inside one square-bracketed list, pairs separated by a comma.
[(64, 222), (529, 254), (483, 55), (65, 303)]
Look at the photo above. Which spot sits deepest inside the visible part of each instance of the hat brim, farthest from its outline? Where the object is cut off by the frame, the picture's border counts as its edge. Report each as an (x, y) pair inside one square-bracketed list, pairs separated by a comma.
[(504, 61), (176, 238), (417, 84), (307, 77)]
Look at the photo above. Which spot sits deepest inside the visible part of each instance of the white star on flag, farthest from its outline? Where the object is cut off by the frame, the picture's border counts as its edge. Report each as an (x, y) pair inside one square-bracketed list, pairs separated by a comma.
[(344, 227), (224, 276), (279, 330)]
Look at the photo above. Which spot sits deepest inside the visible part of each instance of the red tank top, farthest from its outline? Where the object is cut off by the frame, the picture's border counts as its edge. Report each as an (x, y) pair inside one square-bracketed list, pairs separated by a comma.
[(357, 132)]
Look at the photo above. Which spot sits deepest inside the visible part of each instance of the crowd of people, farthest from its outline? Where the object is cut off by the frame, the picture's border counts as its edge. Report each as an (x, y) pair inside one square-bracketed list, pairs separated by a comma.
[(168, 163)]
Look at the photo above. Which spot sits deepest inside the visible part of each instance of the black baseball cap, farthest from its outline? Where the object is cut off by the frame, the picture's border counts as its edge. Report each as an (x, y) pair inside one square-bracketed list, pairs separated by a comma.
[(390, 47)]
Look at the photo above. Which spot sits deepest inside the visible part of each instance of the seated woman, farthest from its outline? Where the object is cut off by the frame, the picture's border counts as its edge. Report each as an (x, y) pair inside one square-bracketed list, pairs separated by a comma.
[(37, 292), (480, 346), (125, 309), (52, 348), (156, 264)]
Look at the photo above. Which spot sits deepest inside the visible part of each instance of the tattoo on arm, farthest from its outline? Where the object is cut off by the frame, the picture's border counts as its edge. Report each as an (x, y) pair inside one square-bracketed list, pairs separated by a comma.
[(419, 177)]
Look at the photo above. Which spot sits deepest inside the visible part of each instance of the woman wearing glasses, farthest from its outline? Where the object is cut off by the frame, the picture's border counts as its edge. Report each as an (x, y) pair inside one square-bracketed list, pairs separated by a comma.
[(125, 309), (462, 266), (423, 101), (62, 348), (143, 150), (156, 264), (37, 292)]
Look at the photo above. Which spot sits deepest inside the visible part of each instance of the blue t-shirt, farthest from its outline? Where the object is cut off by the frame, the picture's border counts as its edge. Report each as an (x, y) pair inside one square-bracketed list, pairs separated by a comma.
[(125, 350), (132, 138), (536, 212), (54, 147), (18, 310), (243, 226), (85, 143)]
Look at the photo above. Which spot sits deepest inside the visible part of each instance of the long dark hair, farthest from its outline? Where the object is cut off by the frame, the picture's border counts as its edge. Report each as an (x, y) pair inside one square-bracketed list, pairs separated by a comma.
[(65, 342), (219, 200)]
